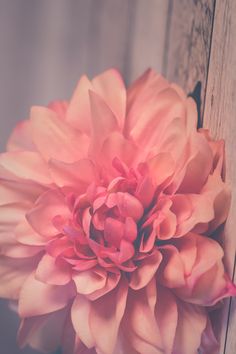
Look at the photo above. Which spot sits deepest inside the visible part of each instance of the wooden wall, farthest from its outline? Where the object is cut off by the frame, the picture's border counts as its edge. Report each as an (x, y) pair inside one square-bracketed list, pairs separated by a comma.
[(46, 45)]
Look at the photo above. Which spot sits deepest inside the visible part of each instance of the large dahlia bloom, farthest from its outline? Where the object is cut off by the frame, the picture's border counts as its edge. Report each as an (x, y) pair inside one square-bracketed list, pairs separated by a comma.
[(109, 207)]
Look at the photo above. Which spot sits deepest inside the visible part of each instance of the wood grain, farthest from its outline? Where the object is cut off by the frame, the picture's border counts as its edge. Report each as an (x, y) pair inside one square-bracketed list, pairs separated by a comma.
[(188, 43), (220, 117)]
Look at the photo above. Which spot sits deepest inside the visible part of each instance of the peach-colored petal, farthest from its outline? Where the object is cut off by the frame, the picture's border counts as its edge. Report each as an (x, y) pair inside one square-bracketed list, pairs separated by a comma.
[(25, 235), (112, 280), (200, 209), (209, 343), (53, 271), (146, 271), (116, 146), (20, 251), (26, 165), (13, 273), (140, 322), (37, 298), (78, 112), (105, 317), (141, 92), (108, 210), (171, 270), (150, 127), (11, 214), (198, 166), (78, 174), (161, 167), (70, 342), (51, 135), (80, 313), (42, 333), (166, 313), (21, 138), (192, 321), (127, 204), (206, 268), (17, 191), (59, 107), (47, 207), (110, 86), (216, 190), (103, 122), (89, 281), (167, 227)]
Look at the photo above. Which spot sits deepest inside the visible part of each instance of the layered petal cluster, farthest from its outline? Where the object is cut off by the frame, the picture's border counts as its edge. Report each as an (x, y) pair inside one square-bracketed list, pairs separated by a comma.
[(109, 207)]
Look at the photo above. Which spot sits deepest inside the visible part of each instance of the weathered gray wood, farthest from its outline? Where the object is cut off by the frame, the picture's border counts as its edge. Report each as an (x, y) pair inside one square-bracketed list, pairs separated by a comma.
[(188, 42), (220, 117), (189, 48)]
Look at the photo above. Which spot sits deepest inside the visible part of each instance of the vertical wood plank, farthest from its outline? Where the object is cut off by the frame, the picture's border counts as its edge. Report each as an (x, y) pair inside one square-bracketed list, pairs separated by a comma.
[(188, 43), (220, 118)]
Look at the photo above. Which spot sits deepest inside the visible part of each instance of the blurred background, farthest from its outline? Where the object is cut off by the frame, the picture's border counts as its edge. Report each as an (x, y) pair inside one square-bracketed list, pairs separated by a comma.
[(45, 46)]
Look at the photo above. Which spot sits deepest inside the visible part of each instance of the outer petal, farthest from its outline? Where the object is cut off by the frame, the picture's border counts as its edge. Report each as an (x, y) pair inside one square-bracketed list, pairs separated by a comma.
[(13, 273), (198, 164), (219, 193), (18, 191), (140, 326), (48, 206), (25, 235), (11, 214), (154, 133), (209, 343), (166, 313), (103, 122), (161, 167), (42, 333), (37, 298), (78, 174), (207, 268), (53, 271), (105, 317), (80, 313), (171, 270), (78, 113), (192, 321), (110, 86), (20, 251), (116, 146), (141, 92), (192, 209), (59, 107), (53, 137), (27, 165), (21, 138)]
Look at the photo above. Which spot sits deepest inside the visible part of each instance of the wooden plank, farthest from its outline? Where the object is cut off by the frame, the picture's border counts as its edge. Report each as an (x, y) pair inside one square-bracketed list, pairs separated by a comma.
[(188, 43), (219, 117)]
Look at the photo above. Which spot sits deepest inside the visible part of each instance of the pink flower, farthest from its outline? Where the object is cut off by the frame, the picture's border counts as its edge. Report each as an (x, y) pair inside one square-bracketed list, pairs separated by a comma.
[(109, 204)]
